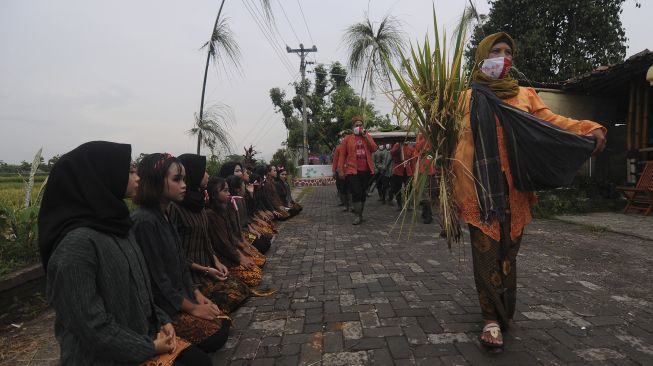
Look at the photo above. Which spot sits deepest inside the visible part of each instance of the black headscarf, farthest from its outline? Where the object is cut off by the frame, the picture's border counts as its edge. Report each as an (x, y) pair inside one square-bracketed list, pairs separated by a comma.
[(195, 166), (85, 188), (228, 169)]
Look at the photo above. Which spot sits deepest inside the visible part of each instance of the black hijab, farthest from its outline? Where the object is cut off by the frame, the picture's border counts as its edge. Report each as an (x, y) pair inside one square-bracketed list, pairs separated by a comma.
[(195, 166), (85, 188), (228, 169)]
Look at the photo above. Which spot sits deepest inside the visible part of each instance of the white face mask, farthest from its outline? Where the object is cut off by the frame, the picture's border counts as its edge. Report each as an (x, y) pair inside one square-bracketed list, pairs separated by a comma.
[(497, 67), (358, 130)]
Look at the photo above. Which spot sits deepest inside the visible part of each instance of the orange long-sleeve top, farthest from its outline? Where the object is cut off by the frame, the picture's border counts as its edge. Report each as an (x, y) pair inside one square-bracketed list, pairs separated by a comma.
[(334, 159), (347, 157), (403, 163), (464, 189)]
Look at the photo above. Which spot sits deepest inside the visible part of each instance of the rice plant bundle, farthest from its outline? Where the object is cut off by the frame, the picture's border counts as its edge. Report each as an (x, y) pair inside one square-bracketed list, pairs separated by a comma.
[(430, 96)]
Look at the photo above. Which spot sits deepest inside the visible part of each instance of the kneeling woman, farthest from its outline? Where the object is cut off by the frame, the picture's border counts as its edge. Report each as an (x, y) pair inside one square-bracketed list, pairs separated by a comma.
[(97, 279), (236, 187), (195, 317), (269, 191), (192, 224), (229, 246), (285, 193), (253, 224)]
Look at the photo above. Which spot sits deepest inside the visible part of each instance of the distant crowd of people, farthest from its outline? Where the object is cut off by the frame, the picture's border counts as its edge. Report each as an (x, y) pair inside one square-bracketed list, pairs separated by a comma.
[(157, 286), (359, 165)]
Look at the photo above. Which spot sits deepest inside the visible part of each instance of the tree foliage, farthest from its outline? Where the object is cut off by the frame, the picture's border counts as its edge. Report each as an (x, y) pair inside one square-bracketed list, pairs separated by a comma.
[(368, 46), (331, 103), (282, 158), (556, 40)]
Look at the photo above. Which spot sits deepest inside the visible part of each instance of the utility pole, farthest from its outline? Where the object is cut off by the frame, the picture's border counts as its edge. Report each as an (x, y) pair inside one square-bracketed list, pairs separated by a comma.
[(302, 52)]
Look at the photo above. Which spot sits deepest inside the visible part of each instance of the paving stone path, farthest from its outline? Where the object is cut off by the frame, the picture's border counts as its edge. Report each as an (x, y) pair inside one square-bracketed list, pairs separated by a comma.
[(360, 295), (353, 295)]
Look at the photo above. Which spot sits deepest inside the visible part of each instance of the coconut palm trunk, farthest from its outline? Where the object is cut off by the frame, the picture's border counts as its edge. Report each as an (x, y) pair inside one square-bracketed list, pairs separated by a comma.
[(206, 72)]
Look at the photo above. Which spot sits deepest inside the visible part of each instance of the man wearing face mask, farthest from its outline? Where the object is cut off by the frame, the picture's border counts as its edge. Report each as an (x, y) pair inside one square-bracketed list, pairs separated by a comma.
[(495, 210), (356, 164)]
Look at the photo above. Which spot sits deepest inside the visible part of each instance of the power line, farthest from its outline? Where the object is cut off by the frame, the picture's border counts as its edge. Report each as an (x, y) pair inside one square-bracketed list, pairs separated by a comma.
[(263, 116), (266, 132), (306, 24), (303, 52), (269, 37), (261, 131), (288, 20), (272, 31)]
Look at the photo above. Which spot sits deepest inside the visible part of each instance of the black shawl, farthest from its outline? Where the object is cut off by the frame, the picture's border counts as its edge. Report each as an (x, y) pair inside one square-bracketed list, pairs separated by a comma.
[(195, 166), (541, 155), (85, 188)]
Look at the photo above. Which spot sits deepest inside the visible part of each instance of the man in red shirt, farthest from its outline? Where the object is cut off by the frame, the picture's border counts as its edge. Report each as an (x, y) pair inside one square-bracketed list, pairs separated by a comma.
[(356, 165)]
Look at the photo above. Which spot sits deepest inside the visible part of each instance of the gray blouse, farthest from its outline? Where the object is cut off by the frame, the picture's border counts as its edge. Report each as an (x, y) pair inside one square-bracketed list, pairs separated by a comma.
[(105, 314)]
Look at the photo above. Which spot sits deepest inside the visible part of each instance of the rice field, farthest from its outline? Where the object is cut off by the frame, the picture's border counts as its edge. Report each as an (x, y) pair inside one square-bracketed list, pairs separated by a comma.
[(12, 188), (16, 252)]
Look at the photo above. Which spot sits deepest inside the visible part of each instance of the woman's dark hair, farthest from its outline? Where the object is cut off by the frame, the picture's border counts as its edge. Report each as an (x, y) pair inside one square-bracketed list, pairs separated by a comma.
[(215, 185), (152, 171), (228, 168), (255, 177), (234, 182), (263, 169)]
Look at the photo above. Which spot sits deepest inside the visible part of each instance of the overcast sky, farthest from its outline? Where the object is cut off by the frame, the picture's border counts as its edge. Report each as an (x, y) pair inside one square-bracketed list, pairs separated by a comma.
[(72, 71)]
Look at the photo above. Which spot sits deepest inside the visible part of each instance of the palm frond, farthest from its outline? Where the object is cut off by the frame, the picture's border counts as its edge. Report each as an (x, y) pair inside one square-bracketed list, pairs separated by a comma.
[(469, 16), (223, 46), (368, 47), (266, 5), (211, 129)]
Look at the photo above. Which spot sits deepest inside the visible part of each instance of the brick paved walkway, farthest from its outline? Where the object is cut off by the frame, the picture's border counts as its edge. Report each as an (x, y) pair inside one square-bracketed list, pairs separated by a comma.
[(357, 296)]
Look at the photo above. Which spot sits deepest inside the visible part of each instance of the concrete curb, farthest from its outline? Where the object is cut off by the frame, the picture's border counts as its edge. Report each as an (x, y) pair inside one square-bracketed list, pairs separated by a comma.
[(607, 228), (21, 277)]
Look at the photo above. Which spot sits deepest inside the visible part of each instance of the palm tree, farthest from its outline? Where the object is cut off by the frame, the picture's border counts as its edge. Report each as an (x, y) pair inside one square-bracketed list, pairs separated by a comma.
[(210, 131), (369, 47), (220, 46)]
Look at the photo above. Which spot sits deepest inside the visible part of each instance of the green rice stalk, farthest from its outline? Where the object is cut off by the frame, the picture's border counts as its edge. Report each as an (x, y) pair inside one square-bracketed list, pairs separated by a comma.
[(431, 84), (30, 180)]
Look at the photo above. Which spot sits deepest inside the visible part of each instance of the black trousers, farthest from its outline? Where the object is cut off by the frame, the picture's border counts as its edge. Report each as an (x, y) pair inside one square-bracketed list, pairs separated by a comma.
[(262, 244), (382, 183), (396, 183), (216, 340), (341, 184), (192, 356), (357, 185)]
